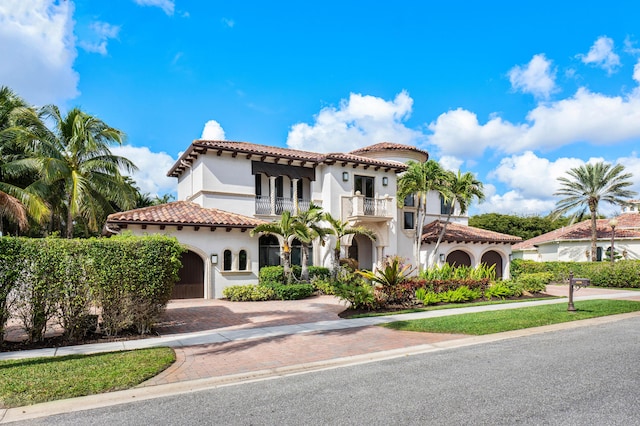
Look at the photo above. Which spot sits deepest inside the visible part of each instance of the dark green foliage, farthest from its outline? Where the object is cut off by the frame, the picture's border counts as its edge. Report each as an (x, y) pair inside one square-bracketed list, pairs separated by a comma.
[(521, 226), (292, 291), (353, 289), (9, 255), (623, 273), (275, 274), (271, 274), (129, 279)]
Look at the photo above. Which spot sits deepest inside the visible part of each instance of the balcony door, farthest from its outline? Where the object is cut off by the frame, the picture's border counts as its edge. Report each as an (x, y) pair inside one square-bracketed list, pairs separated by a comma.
[(365, 185)]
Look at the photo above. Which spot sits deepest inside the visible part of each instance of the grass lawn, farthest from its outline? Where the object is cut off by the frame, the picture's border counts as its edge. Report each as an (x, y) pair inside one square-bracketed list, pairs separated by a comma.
[(35, 380), (516, 319)]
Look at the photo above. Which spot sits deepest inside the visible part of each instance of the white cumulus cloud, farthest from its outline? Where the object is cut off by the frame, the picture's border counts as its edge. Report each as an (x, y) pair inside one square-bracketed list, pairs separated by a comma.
[(601, 54), (37, 50), (168, 6), (213, 131), (359, 121), (585, 117), (537, 77), (102, 32), (151, 176)]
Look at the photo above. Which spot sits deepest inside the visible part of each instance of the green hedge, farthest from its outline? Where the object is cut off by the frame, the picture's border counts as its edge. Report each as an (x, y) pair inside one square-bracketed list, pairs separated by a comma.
[(129, 279), (623, 273), (275, 274)]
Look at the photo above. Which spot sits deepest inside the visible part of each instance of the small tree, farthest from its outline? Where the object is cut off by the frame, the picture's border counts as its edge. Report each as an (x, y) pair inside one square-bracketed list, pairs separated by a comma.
[(418, 180), (310, 220), (342, 229), (286, 229)]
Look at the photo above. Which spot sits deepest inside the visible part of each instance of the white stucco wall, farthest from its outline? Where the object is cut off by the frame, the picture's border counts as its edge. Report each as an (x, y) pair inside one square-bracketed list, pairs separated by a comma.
[(205, 243)]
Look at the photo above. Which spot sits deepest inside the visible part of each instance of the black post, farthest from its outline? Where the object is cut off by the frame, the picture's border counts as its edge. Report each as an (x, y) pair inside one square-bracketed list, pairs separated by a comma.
[(571, 308)]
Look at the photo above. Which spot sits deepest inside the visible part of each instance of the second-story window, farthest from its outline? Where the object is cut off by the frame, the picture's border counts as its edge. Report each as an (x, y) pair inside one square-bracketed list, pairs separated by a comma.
[(446, 207), (258, 184), (409, 220), (410, 200)]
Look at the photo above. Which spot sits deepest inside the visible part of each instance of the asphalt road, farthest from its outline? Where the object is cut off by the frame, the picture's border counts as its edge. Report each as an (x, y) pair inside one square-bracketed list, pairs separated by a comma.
[(583, 376)]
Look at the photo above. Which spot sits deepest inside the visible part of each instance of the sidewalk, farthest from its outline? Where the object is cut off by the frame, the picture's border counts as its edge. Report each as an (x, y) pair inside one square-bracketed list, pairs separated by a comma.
[(271, 344)]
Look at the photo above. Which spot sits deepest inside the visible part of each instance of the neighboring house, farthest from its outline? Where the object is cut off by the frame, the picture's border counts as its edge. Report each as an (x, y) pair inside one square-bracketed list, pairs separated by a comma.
[(573, 243), (226, 188)]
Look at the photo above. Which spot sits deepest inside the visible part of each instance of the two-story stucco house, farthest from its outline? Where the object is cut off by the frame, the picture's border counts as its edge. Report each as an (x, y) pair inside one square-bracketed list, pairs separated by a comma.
[(226, 188)]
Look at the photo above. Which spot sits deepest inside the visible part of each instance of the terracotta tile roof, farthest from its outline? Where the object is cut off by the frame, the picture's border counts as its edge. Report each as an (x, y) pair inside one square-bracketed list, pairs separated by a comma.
[(388, 146), (357, 159), (628, 227), (198, 147), (456, 232), (182, 213)]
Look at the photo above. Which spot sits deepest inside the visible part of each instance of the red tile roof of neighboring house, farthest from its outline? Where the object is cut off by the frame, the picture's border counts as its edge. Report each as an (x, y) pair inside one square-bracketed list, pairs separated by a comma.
[(182, 213), (388, 146), (199, 147), (628, 227), (456, 232)]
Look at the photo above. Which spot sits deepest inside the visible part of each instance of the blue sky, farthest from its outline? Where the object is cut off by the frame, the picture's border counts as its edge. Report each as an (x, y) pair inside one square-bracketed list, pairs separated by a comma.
[(517, 93)]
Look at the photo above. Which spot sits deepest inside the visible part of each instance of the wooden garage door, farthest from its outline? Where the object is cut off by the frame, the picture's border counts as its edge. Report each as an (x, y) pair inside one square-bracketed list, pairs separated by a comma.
[(191, 284)]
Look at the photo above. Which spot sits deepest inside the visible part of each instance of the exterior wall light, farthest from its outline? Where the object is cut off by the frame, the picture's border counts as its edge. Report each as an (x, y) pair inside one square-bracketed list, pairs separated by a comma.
[(214, 259), (345, 176), (442, 258), (385, 181)]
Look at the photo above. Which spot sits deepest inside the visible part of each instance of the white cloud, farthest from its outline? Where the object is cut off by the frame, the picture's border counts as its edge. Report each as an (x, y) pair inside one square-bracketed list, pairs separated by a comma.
[(449, 162), (514, 203), (636, 71), (532, 176), (585, 117), (228, 22), (213, 131), (359, 121), (536, 77), (632, 165), (601, 54), (151, 176), (37, 50), (168, 6), (103, 31)]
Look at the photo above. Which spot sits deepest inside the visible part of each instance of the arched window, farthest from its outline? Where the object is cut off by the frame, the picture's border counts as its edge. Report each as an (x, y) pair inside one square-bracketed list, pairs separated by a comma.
[(269, 252), (242, 260), (227, 260)]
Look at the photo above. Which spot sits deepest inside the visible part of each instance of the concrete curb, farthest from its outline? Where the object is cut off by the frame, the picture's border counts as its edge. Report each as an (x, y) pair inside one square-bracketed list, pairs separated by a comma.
[(158, 391)]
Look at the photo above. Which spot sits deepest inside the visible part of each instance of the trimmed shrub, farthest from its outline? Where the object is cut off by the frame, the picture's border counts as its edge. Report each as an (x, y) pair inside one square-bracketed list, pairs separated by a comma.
[(9, 257), (248, 293), (319, 272), (271, 274), (323, 286), (535, 282), (292, 291), (623, 273)]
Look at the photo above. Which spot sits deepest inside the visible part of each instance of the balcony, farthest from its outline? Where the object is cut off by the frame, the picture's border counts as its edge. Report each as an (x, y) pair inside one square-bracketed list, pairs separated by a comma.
[(266, 205), (359, 207)]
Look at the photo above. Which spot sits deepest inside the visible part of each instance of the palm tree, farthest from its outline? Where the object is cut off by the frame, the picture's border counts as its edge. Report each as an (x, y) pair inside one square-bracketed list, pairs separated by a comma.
[(587, 186), (310, 219), (341, 229), (418, 180), (286, 229), (460, 191), (17, 200), (75, 158)]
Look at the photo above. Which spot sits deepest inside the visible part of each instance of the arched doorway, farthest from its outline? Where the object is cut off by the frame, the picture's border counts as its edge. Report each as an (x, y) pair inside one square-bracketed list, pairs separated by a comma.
[(493, 258), (458, 258), (361, 249), (191, 284)]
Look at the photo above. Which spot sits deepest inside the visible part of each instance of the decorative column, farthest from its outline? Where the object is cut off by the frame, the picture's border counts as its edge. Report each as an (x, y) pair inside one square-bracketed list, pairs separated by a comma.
[(272, 194), (294, 182)]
